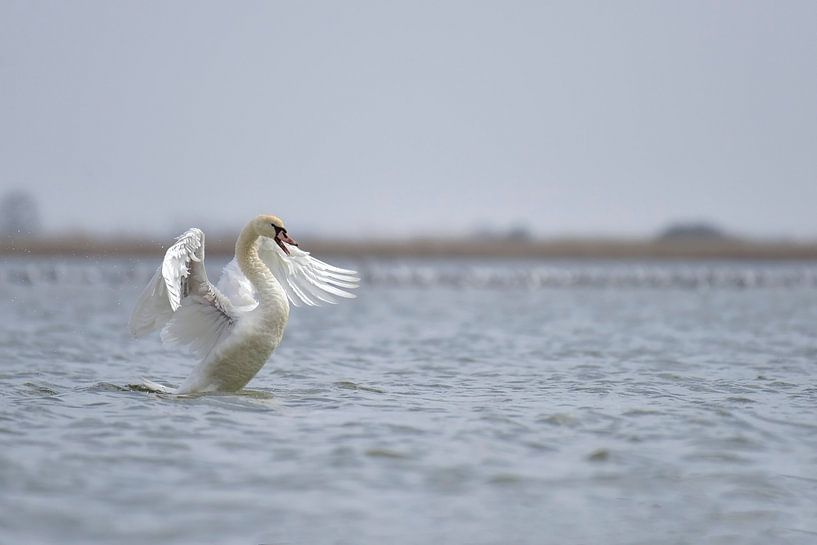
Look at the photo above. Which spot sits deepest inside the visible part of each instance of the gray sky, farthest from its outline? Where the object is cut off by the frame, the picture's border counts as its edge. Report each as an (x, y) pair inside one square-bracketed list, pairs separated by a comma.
[(393, 118)]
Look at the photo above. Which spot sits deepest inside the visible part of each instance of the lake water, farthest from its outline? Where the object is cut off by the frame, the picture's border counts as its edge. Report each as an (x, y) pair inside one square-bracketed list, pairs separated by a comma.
[(456, 402)]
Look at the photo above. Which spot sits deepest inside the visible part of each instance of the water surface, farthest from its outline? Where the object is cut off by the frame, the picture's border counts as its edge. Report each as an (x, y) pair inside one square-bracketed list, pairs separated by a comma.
[(452, 402)]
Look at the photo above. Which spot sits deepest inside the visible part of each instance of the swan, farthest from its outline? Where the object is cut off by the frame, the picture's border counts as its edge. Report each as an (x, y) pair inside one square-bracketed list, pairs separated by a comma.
[(234, 326)]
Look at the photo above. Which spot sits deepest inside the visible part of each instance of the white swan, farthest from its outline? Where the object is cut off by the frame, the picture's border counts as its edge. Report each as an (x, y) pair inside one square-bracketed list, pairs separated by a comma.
[(234, 326)]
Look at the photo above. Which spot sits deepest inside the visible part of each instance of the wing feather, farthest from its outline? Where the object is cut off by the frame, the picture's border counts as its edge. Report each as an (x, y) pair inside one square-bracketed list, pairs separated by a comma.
[(182, 302), (197, 324), (305, 279), (152, 309), (237, 287)]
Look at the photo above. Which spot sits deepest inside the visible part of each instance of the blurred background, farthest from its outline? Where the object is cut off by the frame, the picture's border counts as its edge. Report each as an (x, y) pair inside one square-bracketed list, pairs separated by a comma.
[(555, 129)]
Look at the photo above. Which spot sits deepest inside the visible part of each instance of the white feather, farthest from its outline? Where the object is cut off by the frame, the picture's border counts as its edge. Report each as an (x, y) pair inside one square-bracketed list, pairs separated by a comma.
[(197, 324), (152, 309), (180, 300), (237, 287), (305, 279)]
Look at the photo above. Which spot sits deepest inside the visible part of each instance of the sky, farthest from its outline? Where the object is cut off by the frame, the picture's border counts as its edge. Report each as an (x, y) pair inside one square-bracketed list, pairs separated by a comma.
[(416, 118)]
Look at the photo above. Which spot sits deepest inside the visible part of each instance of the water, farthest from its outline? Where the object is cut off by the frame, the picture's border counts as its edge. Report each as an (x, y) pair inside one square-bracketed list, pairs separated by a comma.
[(453, 402)]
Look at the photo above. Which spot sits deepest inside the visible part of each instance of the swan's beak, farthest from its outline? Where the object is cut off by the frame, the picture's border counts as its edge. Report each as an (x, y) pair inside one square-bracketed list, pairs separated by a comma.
[(282, 237)]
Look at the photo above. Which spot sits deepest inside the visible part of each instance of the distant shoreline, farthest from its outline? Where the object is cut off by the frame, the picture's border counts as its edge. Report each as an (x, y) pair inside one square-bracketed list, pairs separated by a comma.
[(614, 249)]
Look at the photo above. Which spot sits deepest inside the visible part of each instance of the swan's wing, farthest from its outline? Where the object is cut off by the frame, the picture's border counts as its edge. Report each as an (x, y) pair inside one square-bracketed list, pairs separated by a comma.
[(237, 288), (307, 280), (200, 323), (182, 301), (152, 309)]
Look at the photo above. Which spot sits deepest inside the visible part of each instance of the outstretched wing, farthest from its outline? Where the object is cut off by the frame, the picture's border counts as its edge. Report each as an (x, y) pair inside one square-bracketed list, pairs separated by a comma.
[(307, 280), (181, 301), (237, 287)]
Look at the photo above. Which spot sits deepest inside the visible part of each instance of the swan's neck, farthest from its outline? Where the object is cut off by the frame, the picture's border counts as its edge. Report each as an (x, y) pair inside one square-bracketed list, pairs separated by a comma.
[(270, 293)]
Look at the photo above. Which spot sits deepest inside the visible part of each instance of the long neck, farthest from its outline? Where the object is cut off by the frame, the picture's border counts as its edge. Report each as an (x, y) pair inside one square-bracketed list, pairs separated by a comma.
[(270, 293)]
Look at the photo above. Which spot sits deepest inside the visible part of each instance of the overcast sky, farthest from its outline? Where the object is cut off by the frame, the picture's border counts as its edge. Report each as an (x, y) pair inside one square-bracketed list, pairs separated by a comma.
[(393, 118)]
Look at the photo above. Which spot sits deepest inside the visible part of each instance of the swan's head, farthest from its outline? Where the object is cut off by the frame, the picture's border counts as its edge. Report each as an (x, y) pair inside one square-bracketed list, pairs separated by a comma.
[(273, 227)]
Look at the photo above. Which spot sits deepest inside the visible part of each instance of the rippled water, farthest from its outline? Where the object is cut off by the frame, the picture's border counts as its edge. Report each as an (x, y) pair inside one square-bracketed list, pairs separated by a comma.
[(457, 402)]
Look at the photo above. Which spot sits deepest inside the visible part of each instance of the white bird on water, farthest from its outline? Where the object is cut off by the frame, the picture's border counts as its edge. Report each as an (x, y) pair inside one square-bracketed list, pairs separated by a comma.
[(233, 326)]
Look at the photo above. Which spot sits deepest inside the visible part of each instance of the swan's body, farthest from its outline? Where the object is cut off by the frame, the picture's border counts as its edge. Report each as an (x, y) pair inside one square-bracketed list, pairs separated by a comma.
[(233, 327)]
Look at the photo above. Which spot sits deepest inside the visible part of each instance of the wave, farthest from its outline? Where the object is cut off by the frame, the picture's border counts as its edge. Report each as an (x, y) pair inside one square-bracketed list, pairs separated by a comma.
[(595, 274), (460, 274)]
